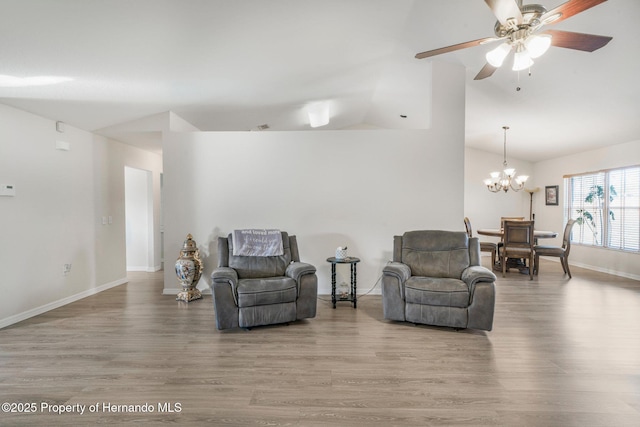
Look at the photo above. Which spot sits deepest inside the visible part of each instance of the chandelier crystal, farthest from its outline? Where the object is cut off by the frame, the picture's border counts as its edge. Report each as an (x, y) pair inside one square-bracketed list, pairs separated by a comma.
[(507, 178)]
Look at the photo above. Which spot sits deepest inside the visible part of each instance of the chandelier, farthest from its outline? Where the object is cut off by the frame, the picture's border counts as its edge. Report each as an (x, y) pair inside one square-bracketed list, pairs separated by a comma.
[(505, 179)]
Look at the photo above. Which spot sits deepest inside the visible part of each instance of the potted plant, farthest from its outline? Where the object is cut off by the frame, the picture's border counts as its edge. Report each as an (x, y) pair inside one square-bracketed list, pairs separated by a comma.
[(596, 197)]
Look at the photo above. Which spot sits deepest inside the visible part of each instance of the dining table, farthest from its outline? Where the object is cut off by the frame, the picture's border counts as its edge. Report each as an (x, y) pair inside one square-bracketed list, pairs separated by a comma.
[(537, 234), (514, 263)]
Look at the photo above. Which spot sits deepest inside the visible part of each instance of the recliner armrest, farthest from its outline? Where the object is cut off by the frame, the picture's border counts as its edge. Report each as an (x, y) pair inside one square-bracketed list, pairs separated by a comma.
[(224, 285), (225, 275), (295, 270), (397, 269), (477, 273)]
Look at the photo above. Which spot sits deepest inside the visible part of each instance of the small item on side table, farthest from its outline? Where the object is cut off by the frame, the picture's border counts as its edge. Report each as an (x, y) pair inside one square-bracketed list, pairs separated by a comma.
[(349, 294), (342, 291), (189, 269)]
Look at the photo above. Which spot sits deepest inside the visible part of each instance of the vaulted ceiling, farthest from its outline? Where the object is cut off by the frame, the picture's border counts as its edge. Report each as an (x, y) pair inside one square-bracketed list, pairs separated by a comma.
[(238, 64)]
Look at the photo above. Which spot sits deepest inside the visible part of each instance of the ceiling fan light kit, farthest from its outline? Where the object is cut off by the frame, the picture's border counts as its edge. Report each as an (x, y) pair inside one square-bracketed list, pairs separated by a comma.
[(497, 56), (518, 26), (525, 49), (521, 59), (538, 44)]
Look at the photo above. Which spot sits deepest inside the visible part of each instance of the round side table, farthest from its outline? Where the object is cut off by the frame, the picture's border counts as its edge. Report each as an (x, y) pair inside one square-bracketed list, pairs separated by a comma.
[(352, 297)]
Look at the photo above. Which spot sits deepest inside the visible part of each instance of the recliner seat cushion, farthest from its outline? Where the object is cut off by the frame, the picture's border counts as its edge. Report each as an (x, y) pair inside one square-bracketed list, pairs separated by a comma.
[(444, 292), (266, 291)]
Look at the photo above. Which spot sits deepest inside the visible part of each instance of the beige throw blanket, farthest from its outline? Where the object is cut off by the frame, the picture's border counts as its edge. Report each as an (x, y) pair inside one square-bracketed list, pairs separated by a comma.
[(257, 242)]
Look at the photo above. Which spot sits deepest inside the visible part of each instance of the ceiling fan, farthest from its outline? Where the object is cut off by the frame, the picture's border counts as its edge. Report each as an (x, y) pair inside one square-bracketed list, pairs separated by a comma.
[(519, 27)]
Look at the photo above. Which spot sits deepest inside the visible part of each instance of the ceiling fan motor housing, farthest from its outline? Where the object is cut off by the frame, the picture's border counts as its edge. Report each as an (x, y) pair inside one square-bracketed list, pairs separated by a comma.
[(531, 14)]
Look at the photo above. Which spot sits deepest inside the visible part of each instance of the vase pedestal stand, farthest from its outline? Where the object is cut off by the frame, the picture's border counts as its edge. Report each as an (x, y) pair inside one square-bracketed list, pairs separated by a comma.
[(189, 295)]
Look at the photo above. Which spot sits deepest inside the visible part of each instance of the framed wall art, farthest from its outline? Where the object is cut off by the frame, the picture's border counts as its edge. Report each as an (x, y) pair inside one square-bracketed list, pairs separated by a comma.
[(551, 195)]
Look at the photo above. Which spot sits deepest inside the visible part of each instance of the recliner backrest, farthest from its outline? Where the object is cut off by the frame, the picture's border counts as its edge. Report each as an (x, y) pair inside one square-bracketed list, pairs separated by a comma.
[(254, 267), (435, 253)]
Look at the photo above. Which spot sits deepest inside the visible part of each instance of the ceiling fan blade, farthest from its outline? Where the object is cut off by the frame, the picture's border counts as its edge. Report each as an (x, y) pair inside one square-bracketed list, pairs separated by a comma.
[(454, 47), (570, 8), (578, 41), (505, 9), (487, 71)]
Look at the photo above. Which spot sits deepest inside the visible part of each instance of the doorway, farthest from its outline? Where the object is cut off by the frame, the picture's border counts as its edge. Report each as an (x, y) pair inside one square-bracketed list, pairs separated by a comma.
[(138, 190)]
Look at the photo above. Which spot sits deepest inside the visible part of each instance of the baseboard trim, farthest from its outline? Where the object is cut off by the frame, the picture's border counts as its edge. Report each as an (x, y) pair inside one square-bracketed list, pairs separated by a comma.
[(145, 269), (596, 268), (606, 271), (7, 321)]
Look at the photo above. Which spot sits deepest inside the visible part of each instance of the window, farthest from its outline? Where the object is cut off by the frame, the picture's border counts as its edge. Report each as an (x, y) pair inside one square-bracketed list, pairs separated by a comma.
[(606, 205)]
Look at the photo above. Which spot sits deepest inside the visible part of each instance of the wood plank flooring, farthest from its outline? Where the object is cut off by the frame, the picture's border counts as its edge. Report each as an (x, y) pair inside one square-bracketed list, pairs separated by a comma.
[(562, 353)]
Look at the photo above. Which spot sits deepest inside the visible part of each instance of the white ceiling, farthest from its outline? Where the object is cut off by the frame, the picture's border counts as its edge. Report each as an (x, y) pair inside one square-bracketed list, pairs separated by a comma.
[(238, 64)]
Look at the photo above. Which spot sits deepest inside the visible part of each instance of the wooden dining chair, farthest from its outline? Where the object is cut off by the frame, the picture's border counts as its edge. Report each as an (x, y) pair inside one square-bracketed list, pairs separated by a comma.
[(509, 218), (484, 246), (518, 242), (561, 252)]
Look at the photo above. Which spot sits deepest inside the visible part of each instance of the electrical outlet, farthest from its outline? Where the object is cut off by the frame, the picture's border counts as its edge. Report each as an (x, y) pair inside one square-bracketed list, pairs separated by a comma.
[(66, 269)]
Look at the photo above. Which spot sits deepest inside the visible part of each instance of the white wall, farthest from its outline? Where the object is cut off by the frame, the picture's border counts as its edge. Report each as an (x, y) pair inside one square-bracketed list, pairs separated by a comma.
[(50, 222), (331, 188), (551, 172), (56, 216)]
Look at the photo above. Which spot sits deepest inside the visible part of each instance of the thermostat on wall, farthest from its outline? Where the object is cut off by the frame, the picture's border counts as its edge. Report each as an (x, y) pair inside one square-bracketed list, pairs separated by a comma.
[(7, 190)]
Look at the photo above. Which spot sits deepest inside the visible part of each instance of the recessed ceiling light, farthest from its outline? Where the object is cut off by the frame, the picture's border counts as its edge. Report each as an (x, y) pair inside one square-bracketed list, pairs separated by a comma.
[(319, 114), (13, 81)]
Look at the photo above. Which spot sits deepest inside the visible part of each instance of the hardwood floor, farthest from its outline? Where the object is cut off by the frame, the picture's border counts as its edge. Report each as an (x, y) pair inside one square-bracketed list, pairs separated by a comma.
[(562, 353)]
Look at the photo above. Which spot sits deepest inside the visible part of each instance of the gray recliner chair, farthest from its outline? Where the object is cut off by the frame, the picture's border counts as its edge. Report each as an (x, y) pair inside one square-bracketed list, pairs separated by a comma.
[(436, 278), (262, 290)]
